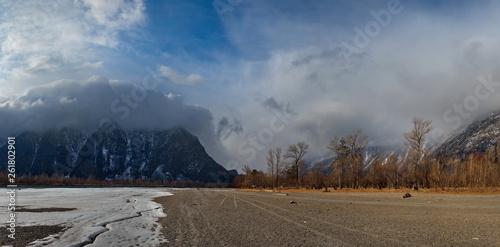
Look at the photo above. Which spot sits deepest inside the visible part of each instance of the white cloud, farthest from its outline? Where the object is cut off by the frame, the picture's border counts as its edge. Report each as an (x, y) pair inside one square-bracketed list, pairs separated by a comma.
[(46, 41), (178, 78), (89, 65), (116, 14)]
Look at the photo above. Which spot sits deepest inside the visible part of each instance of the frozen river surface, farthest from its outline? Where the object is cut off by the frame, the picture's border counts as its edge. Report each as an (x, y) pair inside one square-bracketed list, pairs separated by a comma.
[(102, 216)]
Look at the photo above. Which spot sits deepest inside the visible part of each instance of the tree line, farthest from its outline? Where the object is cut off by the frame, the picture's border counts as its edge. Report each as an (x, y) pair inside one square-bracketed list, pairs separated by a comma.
[(351, 168), (90, 181)]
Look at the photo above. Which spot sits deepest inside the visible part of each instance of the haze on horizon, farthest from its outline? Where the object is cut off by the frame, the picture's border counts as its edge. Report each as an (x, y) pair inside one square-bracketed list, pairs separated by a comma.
[(247, 76)]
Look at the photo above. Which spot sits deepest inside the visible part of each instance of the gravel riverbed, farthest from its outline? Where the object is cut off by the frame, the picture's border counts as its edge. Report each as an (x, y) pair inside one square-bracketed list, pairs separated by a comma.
[(242, 218)]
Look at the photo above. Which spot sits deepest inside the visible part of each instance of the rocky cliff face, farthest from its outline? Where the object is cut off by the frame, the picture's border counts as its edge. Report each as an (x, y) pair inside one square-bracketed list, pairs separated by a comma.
[(476, 138), (112, 153)]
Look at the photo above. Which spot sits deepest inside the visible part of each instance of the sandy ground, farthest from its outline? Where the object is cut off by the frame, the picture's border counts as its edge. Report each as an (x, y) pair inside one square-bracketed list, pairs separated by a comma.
[(243, 218), (27, 234)]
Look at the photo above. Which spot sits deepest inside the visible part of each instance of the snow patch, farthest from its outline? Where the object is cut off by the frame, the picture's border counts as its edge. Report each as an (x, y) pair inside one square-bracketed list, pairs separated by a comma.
[(103, 216)]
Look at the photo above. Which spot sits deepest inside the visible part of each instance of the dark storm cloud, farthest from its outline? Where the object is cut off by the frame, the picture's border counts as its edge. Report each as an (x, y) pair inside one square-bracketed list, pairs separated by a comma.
[(85, 104), (272, 105), (225, 128)]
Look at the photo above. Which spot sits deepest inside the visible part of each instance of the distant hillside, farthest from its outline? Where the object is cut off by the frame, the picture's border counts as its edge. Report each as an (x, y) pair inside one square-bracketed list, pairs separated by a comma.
[(476, 138), (112, 153), (324, 163)]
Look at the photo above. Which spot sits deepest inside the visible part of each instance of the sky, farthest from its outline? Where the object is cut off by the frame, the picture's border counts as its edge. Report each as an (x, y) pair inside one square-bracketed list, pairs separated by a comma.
[(248, 76)]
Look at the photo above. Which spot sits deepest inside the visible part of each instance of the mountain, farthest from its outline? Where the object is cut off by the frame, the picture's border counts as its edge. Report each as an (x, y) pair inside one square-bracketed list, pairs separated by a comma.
[(112, 153), (324, 163), (476, 138)]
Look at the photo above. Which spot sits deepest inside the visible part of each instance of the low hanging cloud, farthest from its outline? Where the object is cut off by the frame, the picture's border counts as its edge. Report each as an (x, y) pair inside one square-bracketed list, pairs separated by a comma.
[(84, 104), (178, 78)]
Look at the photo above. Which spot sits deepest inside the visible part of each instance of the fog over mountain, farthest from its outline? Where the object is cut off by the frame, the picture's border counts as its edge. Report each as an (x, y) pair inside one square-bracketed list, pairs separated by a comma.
[(87, 105), (253, 76)]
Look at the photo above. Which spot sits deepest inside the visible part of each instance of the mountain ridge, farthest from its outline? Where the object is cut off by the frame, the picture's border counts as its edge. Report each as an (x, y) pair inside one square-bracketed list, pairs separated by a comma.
[(111, 153), (475, 138)]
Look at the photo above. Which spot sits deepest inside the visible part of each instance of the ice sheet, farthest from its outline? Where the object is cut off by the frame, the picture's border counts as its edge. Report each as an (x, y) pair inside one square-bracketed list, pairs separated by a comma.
[(103, 216)]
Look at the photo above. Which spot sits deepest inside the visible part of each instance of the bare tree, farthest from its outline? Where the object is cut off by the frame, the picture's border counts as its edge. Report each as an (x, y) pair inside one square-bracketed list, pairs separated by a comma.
[(349, 155), (296, 152), (279, 165), (417, 153), (271, 164), (339, 164), (248, 178), (274, 165), (393, 174), (356, 143), (378, 172)]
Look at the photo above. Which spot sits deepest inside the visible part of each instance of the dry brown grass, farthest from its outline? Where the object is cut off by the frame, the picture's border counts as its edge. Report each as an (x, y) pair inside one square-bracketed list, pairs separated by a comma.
[(464, 191), (471, 191)]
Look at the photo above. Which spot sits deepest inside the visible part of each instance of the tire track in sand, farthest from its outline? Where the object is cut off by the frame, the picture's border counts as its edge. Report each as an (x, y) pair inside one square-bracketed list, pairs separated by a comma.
[(373, 235), (343, 243)]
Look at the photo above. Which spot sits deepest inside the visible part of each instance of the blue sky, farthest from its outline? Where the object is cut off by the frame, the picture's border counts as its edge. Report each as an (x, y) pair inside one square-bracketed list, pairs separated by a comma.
[(246, 76)]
